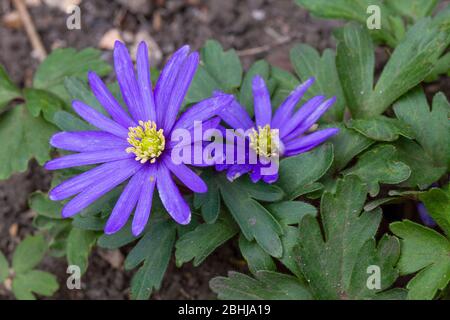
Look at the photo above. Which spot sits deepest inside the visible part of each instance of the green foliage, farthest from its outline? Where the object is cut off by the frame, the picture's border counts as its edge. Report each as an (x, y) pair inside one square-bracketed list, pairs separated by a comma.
[(79, 245), (355, 10), (8, 90), (426, 252), (23, 137), (62, 63), (298, 175), (308, 63), (411, 62), (199, 243), (267, 286), (413, 9), (219, 70), (336, 262), (26, 280), (153, 251), (379, 165), (382, 128), (429, 158), (255, 221)]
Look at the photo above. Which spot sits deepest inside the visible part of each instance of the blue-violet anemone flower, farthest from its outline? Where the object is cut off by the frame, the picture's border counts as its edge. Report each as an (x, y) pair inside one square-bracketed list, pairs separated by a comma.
[(135, 145), (283, 135)]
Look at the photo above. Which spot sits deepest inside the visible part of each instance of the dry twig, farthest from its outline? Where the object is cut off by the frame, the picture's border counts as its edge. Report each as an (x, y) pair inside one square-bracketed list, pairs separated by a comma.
[(32, 34)]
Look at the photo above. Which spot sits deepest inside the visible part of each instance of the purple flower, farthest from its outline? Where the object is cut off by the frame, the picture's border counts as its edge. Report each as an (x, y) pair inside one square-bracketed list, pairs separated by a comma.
[(284, 134), (134, 146)]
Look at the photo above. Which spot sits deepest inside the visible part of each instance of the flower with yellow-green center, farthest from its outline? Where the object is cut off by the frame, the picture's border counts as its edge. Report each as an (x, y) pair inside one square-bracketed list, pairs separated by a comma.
[(134, 145), (147, 141)]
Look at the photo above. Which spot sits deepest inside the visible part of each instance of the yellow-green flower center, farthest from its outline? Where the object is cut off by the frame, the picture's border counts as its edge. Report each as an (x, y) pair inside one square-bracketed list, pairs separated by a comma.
[(265, 141), (147, 143)]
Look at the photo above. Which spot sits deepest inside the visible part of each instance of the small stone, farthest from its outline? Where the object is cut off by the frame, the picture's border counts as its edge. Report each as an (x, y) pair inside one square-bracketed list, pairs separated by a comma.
[(13, 230), (109, 38), (258, 14), (113, 257), (12, 20), (63, 5)]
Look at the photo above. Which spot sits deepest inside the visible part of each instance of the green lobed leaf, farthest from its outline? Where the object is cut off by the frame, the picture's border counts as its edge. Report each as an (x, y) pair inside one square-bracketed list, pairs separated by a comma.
[(267, 286), (23, 137), (29, 253), (347, 144), (257, 259), (8, 90), (308, 63), (381, 128), (298, 172), (355, 63), (154, 249), (379, 165), (411, 62), (254, 220), (199, 243), (424, 251), (328, 261), (430, 160), (79, 245), (291, 212), (42, 101), (40, 203), (34, 281), (66, 62), (353, 10)]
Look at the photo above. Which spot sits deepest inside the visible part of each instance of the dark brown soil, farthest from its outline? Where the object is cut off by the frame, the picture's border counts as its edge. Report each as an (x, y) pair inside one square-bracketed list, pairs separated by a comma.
[(239, 24)]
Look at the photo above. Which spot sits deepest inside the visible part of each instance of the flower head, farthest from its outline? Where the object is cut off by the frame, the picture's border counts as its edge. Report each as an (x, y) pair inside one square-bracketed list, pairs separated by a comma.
[(134, 145), (285, 134)]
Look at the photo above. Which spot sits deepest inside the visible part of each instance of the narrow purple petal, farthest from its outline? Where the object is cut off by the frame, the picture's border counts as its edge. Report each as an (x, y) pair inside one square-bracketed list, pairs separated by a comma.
[(301, 115), (87, 158), (127, 81), (85, 141), (170, 196), (262, 104), (145, 82), (108, 101), (179, 90), (304, 125), (309, 141), (95, 176), (126, 203), (97, 190), (285, 110), (236, 116), (203, 110), (144, 205), (188, 177), (165, 83), (98, 120)]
